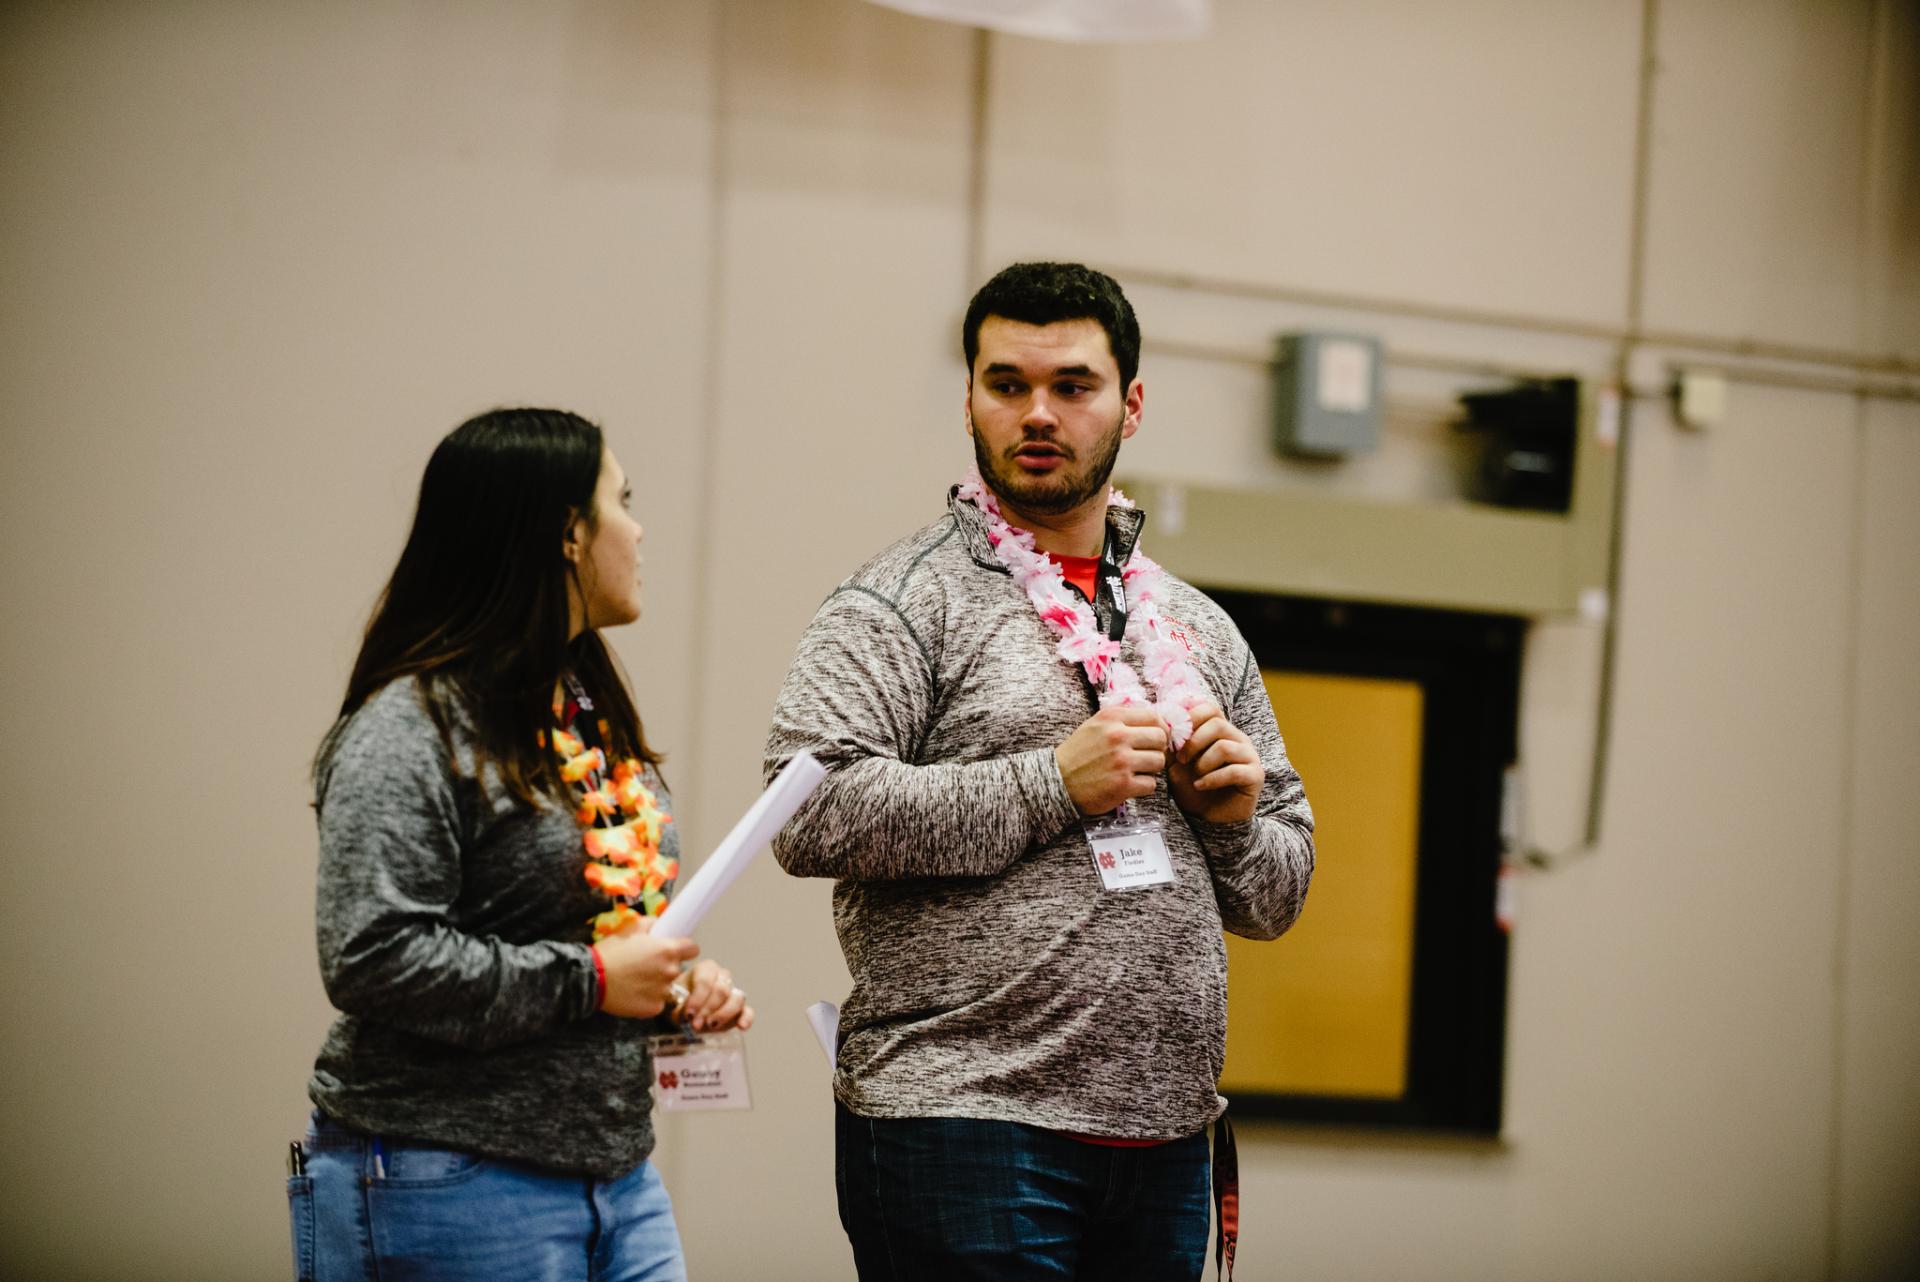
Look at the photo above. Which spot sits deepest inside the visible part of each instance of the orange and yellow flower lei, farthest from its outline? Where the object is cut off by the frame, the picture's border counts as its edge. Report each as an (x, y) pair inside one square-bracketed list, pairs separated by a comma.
[(623, 822)]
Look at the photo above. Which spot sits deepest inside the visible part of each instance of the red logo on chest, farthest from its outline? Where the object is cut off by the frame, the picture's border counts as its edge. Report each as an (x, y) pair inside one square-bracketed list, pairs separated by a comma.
[(1182, 633)]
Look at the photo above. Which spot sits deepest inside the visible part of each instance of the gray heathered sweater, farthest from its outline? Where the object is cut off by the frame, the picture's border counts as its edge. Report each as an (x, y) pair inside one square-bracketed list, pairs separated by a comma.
[(993, 977), (454, 936)]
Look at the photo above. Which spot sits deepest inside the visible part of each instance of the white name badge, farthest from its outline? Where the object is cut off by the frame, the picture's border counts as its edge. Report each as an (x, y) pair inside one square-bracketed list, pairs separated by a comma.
[(1130, 858), (693, 1074)]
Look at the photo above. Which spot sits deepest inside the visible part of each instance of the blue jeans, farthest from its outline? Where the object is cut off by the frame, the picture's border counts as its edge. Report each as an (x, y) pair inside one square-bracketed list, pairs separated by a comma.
[(940, 1198), (441, 1215)]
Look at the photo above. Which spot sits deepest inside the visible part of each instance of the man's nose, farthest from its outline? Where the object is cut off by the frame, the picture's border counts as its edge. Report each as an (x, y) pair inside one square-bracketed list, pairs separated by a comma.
[(1040, 411)]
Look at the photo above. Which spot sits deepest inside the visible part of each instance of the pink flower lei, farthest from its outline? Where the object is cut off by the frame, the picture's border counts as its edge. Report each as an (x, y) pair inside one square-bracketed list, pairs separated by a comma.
[(1072, 619)]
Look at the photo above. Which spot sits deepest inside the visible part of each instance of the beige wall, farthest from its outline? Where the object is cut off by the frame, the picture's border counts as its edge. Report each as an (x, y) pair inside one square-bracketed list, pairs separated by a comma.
[(257, 257)]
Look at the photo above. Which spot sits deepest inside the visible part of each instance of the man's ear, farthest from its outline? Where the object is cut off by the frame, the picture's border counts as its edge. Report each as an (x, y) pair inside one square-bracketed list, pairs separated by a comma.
[(1136, 405), (966, 407)]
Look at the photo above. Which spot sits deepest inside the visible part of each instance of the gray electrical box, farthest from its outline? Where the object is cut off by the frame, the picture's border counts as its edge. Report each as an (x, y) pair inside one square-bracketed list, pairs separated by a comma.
[(1327, 394)]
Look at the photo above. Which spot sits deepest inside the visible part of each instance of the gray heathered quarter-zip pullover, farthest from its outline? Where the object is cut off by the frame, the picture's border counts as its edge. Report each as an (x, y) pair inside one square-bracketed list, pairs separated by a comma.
[(453, 931), (993, 976)]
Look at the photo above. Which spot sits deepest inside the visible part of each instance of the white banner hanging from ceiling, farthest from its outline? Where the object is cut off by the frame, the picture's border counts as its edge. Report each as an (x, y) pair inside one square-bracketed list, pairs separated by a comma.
[(1084, 20)]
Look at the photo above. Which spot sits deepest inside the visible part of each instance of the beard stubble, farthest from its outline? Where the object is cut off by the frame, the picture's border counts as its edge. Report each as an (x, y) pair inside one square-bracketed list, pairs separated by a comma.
[(1048, 496)]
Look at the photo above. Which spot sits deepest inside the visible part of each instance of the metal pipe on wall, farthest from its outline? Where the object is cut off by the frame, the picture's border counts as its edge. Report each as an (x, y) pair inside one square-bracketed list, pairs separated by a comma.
[(1631, 334)]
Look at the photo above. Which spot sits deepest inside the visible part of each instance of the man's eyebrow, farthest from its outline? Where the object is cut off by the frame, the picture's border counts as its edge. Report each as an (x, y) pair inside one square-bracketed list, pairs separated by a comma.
[(1071, 371)]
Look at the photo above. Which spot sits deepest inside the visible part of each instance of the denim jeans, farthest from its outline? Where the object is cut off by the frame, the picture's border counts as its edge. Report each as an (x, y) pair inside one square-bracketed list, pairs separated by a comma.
[(396, 1211), (950, 1198)]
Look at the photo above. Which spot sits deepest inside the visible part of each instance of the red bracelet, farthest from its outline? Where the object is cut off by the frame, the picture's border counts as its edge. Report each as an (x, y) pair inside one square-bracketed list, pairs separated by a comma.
[(599, 978)]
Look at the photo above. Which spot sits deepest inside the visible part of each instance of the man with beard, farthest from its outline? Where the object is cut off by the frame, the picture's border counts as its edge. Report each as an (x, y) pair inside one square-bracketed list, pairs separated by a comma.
[(1054, 778)]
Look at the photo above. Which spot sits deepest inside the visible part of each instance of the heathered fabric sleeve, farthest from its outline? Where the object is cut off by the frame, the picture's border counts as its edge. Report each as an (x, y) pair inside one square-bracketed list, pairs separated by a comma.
[(859, 696), (1261, 867), (389, 879)]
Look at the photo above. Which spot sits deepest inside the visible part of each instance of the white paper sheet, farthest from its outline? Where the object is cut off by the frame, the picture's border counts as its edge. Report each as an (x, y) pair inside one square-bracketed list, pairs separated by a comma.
[(825, 1018), (756, 829)]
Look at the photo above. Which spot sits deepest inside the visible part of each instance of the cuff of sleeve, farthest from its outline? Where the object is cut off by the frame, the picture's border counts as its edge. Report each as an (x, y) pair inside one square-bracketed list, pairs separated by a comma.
[(1228, 841), (587, 982), (1043, 792)]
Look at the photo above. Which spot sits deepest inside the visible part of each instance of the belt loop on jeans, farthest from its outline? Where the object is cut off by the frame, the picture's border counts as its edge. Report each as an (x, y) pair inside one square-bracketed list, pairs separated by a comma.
[(1226, 1197)]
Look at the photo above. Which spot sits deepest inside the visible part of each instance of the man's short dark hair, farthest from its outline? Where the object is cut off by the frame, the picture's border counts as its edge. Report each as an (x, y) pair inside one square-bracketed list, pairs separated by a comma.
[(1045, 293)]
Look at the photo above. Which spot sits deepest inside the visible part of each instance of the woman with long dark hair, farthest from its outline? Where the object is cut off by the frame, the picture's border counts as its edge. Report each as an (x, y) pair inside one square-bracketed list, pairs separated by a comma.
[(495, 836)]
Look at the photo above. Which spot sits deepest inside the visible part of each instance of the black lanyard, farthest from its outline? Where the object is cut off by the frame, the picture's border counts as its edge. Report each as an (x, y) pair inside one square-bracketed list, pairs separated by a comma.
[(576, 695), (1111, 591), (1109, 594)]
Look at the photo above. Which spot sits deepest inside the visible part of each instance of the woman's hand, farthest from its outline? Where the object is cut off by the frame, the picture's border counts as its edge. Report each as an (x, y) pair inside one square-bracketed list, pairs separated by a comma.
[(640, 969), (713, 1004)]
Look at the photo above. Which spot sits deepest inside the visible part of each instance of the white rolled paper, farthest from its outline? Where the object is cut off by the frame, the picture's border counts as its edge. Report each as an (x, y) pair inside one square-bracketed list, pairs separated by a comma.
[(825, 1018), (755, 831)]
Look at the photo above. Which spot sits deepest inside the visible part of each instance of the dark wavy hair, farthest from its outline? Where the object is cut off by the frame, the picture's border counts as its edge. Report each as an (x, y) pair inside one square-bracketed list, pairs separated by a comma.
[(477, 608), (1044, 293)]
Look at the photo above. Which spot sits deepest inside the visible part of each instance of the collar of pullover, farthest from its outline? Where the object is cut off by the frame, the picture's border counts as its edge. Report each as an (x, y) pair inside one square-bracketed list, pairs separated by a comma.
[(1123, 525)]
